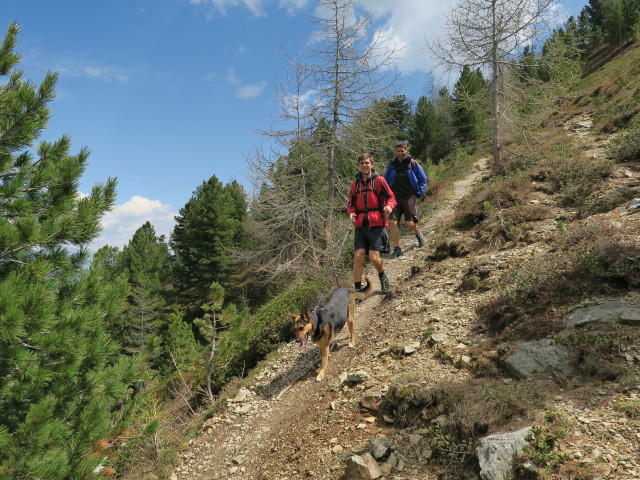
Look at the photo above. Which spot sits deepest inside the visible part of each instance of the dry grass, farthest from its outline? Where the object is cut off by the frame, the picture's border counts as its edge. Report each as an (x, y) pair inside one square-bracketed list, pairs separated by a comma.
[(472, 408), (594, 257), (497, 194)]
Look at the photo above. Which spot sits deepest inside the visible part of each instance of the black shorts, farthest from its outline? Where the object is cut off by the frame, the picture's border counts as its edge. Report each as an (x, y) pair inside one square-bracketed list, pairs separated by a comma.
[(371, 238), (406, 206)]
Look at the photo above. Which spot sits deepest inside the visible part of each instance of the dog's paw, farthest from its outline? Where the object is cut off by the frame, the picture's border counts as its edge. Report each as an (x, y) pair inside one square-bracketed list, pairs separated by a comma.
[(351, 345), (320, 377)]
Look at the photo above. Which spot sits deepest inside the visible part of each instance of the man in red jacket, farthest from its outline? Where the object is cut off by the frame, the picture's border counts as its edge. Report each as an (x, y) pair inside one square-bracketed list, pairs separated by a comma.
[(370, 200)]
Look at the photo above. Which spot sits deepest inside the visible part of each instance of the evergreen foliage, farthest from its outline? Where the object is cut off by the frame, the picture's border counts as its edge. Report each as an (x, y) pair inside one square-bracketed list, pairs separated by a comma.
[(423, 131), (63, 384), (145, 262), (470, 108), (208, 228), (73, 341), (224, 330), (613, 21), (398, 113)]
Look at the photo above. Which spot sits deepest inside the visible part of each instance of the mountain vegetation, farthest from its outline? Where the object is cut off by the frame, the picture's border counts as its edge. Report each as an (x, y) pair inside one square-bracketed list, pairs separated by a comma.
[(108, 362)]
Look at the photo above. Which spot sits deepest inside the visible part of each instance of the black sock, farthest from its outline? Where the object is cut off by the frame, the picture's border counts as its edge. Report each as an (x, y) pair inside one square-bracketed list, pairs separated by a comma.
[(381, 275), (358, 285)]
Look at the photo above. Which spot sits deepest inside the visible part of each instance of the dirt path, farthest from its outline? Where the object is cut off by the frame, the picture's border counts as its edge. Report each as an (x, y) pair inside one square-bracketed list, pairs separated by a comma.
[(287, 426)]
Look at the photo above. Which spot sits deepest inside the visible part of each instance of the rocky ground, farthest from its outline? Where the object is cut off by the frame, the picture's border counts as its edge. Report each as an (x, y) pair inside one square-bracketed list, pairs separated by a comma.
[(287, 426)]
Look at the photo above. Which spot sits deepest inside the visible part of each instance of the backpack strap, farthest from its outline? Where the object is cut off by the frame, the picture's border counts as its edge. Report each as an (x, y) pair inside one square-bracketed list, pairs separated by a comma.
[(367, 188)]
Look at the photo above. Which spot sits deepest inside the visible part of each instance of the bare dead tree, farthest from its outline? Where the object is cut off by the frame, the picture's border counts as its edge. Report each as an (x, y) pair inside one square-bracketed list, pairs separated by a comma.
[(286, 210), (348, 73), (490, 34), (300, 174)]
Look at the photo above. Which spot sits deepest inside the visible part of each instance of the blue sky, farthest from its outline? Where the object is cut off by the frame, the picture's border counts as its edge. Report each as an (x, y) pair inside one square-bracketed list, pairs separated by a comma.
[(167, 93)]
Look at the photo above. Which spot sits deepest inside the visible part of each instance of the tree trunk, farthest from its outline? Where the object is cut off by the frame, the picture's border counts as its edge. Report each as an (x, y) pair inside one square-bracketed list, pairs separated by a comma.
[(495, 104)]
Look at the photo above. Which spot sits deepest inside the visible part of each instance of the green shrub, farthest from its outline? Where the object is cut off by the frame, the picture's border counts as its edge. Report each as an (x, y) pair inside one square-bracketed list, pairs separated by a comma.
[(541, 450), (626, 147), (265, 330), (631, 408), (577, 178), (447, 448), (499, 193)]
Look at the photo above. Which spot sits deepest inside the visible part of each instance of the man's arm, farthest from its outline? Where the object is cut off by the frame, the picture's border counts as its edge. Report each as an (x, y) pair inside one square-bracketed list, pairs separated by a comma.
[(421, 177), (387, 196)]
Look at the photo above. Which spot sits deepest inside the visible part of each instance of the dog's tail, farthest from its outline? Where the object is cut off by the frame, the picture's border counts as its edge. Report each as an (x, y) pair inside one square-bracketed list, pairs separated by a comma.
[(364, 292)]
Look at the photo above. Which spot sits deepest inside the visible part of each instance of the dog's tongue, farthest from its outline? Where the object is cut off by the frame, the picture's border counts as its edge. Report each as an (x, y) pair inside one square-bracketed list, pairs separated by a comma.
[(303, 342)]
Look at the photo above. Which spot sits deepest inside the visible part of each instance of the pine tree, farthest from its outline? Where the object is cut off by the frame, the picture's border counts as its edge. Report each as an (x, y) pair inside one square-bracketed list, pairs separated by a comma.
[(145, 260), (470, 110), (62, 383), (444, 106), (398, 112), (423, 130), (208, 229)]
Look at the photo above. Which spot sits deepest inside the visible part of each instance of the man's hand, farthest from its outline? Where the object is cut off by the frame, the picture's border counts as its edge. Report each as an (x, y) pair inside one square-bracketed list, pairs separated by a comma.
[(387, 209), (352, 217)]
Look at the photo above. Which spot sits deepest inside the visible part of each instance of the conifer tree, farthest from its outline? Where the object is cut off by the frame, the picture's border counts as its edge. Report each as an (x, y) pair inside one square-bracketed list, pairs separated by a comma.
[(444, 106), (62, 383), (423, 130), (144, 261), (470, 103), (208, 228), (344, 70), (226, 334)]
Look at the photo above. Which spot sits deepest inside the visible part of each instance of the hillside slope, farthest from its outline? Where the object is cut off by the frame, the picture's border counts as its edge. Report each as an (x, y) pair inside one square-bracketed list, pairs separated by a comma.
[(287, 426)]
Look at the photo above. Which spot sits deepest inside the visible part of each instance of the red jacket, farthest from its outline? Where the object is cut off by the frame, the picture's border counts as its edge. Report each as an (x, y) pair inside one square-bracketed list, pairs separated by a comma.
[(368, 199)]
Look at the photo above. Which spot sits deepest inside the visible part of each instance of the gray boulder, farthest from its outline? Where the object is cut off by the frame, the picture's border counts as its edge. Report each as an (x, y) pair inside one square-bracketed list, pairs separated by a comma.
[(605, 312), (497, 452), (379, 448), (541, 356)]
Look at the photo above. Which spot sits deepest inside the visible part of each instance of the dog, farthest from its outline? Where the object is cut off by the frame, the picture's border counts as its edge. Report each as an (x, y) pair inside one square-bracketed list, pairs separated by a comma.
[(324, 323)]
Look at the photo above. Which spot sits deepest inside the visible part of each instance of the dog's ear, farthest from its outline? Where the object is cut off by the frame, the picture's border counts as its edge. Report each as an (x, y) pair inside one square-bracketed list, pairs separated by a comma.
[(293, 315), (306, 315)]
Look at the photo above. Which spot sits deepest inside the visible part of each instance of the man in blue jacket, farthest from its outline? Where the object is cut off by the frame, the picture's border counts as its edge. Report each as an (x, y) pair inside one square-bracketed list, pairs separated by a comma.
[(408, 182)]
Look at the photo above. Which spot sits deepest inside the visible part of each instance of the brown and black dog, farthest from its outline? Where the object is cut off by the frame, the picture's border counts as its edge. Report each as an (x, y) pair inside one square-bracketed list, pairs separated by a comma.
[(324, 323)]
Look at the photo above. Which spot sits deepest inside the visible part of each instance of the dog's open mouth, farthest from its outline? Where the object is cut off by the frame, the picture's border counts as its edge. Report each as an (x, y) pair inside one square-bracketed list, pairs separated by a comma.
[(303, 341)]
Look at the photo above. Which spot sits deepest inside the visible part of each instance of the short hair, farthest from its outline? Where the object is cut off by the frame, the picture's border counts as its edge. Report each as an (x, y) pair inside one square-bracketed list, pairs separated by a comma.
[(401, 144), (364, 156)]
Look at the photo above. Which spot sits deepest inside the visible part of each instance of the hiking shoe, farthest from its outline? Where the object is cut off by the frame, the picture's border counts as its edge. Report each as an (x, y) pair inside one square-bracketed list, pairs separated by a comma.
[(420, 238), (395, 254), (384, 283)]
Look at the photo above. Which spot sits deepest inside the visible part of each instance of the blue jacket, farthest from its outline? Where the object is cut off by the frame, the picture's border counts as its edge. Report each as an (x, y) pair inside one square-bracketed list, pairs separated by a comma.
[(417, 177)]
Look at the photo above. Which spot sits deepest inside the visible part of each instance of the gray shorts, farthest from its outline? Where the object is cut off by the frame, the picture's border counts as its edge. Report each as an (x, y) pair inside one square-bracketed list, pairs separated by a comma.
[(406, 206), (371, 238)]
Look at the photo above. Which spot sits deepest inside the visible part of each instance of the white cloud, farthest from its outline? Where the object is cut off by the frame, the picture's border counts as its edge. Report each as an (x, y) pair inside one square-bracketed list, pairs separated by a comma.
[(256, 7), (408, 25), (245, 91), (119, 225), (293, 5), (105, 74), (75, 68)]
